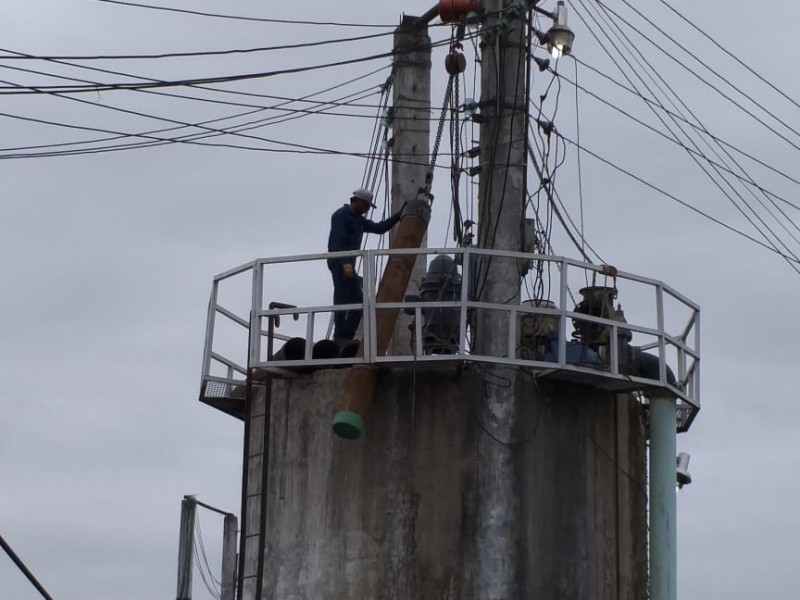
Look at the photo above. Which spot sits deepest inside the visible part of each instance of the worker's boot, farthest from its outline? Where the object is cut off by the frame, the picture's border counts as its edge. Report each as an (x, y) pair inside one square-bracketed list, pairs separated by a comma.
[(342, 341)]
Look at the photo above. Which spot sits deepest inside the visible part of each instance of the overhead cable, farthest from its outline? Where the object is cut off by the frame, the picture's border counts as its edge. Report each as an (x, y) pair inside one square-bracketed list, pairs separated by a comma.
[(199, 81), (667, 111), (730, 54), (679, 201), (704, 137), (704, 80), (60, 61), (82, 57), (767, 231), (238, 18), (182, 96), (145, 134), (25, 570)]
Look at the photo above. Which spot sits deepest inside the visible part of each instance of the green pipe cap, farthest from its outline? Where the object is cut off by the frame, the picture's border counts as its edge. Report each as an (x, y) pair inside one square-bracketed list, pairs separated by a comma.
[(347, 425)]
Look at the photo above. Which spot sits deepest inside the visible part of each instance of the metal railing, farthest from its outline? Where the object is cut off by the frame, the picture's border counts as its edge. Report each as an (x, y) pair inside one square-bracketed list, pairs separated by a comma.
[(675, 348)]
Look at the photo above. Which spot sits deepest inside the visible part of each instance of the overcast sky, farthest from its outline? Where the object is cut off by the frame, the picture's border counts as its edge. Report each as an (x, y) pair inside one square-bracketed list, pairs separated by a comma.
[(107, 262)]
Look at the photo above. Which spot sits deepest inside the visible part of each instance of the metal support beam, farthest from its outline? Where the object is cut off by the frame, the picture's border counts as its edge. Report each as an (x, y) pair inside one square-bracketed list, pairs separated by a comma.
[(663, 500)]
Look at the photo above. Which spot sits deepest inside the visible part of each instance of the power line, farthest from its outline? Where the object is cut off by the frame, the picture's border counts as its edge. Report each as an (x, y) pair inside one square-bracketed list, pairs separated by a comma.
[(60, 61), (747, 177), (700, 78), (181, 123), (730, 54), (158, 92), (199, 81), (766, 228), (200, 53), (105, 87), (678, 200), (269, 120), (25, 570), (238, 18), (119, 135), (682, 145), (667, 111)]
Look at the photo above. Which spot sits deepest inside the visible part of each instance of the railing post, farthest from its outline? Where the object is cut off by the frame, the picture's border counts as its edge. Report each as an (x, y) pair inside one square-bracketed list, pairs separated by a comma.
[(696, 376), (466, 258), (368, 307), (662, 351), (210, 323), (255, 315), (309, 335), (614, 349), (562, 321)]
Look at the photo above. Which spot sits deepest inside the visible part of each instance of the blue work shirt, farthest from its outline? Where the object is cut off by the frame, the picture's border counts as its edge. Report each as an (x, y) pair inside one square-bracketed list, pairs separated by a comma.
[(347, 231)]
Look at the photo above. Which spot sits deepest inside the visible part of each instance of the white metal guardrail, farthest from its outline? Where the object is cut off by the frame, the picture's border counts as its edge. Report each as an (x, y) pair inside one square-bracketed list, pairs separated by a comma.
[(662, 325)]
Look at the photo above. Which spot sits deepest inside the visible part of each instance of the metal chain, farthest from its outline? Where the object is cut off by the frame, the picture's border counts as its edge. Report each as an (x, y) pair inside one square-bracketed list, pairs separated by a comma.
[(455, 173), (439, 130)]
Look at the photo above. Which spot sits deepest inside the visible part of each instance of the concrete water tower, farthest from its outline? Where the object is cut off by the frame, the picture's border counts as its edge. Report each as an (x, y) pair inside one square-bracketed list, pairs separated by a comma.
[(513, 465)]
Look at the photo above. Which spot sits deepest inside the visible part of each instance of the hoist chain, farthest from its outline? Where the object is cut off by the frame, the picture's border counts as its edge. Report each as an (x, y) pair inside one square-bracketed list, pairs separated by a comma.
[(438, 140)]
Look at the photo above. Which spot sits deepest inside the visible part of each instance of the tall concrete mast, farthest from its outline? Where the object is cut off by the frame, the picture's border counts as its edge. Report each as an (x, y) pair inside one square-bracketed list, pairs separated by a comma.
[(500, 221), (411, 127), (553, 546)]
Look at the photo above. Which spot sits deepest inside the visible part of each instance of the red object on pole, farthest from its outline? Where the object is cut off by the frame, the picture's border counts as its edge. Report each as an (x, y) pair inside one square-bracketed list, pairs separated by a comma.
[(454, 10)]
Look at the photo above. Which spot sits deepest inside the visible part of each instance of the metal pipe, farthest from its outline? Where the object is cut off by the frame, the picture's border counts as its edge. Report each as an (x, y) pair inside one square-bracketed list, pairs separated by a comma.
[(420, 22), (294, 349), (360, 384), (663, 501), (325, 349)]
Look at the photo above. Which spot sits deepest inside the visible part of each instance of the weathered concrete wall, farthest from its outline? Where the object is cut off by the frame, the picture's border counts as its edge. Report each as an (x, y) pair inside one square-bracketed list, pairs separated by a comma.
[(584, 509), (393, 515)]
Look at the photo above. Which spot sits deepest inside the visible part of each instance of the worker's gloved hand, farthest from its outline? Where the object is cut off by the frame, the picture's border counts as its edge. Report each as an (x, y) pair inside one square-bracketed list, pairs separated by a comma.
[(348, 272), (396, 216)]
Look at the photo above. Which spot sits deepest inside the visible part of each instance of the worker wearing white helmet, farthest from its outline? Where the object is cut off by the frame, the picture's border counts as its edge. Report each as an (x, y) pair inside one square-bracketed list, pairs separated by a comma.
[(348, 225)]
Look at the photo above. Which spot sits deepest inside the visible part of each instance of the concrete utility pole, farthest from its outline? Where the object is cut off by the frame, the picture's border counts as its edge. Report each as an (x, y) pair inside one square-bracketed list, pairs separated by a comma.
[(554, 545), (411, 127), (185, 551), (501, 213)]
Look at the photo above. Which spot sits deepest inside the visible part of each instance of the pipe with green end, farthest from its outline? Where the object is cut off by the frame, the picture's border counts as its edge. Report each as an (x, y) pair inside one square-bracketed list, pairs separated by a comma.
[(361, 380)]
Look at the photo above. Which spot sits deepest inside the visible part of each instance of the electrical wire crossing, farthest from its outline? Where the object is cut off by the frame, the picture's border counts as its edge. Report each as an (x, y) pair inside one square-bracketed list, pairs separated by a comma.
[(25, 570)]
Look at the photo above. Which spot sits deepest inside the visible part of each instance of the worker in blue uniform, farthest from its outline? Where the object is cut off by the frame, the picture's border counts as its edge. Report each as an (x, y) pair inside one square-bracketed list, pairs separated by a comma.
[(348, 225)]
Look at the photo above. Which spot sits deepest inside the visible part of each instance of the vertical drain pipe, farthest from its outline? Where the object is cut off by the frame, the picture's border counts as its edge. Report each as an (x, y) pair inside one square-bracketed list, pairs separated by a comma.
[(663, 498), (360, 385)]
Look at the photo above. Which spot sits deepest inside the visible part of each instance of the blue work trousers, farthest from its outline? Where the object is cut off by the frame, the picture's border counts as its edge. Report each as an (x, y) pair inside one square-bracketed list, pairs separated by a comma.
[(345, 291)]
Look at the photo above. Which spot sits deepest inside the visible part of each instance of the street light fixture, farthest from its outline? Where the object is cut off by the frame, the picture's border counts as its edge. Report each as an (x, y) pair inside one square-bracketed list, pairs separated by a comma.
[(558, 39)]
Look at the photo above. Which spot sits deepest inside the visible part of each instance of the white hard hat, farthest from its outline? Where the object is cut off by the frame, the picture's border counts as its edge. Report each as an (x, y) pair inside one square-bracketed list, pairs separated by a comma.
[(365, 195)]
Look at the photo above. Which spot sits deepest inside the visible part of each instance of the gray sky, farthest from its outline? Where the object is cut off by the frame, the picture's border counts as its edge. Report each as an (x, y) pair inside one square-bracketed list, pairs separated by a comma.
[(108, 261)]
